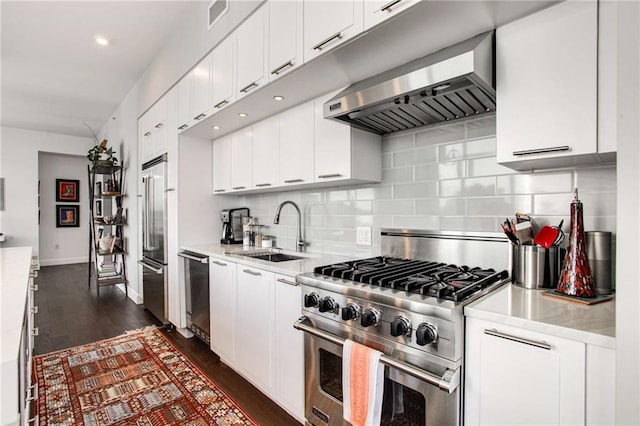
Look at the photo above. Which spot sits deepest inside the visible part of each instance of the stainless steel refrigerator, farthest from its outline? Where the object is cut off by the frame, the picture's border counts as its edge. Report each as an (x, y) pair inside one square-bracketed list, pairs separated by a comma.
[(154, 241)]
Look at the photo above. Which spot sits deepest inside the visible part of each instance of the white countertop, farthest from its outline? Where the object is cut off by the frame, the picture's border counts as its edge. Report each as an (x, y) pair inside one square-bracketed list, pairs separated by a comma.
[(529, 309), (14, 280), (290, 268)]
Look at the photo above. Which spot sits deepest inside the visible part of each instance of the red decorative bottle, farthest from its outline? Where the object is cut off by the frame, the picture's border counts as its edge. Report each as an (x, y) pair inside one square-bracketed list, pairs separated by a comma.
[(575, 278)]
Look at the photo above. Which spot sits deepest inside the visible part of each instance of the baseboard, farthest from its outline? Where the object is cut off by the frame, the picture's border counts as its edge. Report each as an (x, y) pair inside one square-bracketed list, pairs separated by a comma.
[(133, 295), (63, 261)]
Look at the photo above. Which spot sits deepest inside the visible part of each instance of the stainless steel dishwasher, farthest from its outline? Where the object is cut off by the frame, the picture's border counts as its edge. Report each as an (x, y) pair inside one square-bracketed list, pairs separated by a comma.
[(196, 279)]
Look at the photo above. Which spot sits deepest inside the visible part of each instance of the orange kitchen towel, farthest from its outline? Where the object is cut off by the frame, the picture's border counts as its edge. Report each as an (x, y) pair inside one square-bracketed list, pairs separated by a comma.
[(362, 384)]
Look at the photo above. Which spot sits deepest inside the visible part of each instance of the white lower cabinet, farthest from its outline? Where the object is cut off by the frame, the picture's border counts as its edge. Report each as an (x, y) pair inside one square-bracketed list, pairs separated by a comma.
[(222, 304), (289, 347), (516, 376), (601, 385), (255, 326)]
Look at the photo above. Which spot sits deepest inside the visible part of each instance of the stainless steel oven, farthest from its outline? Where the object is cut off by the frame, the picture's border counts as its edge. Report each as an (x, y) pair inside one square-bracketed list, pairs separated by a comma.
[(408, 304)]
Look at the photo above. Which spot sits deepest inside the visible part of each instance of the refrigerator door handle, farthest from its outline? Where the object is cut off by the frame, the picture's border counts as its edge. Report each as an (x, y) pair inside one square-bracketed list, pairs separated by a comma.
[(145, 216)]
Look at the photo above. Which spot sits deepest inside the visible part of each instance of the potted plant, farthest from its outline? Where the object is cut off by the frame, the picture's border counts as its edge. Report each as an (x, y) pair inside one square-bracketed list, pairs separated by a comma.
[(101, 156)]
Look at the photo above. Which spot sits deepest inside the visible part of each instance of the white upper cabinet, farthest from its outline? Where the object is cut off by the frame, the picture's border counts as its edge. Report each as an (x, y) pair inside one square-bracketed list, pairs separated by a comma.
[(184, 102), (222, 165), (296, 145), (343, 152), (285, 37), (376, 11), (201, 89), (222, 74), (242, 159), (253, 52), (153, 131), (266, 153), (547, 87), (328, 24)]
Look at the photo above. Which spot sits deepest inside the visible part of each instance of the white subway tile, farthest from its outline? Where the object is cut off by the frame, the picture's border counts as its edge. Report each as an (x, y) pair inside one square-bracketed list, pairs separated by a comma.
[(416, 222), (382, 192), (468, 223), (440, 134), (426, 172), (415, 190), (363, 220), (450, 188), (382, 221), (404, 158), (386, 160), (486, 167), (536, 183), (499, 206), (363, 252), (600, 223), (340, 222), (473, 187), (427, 154), (598, 204), (552, 204), (312, 197), (314, 221), (346, 249), (404, 174), (441, 207), (483, 126), (452, 170), (397, 143), (596, 179), (340, 195), (388, 207), (365, 193), (470, 149)]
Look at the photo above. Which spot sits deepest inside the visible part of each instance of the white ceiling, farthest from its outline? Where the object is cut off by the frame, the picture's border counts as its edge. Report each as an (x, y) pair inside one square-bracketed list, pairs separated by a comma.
[(55, 77)]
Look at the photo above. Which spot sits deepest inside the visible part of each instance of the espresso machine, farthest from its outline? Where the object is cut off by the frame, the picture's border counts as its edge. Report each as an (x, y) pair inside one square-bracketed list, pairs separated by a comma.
[(232, 225)]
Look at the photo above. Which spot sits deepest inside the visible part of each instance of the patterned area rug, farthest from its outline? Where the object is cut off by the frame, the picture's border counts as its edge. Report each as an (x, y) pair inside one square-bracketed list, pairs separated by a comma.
[(138, 379)]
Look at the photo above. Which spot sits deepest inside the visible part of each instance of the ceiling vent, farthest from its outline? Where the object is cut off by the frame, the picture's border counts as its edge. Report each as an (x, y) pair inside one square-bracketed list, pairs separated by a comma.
[(216, 10)]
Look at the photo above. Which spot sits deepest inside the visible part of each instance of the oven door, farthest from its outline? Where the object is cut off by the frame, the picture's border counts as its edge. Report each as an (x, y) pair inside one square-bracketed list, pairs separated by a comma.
[(407, 400)]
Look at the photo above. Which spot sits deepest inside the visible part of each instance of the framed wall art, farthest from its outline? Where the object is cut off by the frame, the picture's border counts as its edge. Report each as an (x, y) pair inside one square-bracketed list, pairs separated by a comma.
[(67, 216), (67, 190)]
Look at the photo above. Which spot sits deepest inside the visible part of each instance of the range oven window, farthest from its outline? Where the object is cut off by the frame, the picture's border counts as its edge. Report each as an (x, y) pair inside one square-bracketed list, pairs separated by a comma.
[(401, 405)]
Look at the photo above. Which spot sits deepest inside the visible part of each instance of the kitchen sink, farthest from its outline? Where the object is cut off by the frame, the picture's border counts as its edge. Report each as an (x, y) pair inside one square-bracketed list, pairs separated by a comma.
[(271, 257)]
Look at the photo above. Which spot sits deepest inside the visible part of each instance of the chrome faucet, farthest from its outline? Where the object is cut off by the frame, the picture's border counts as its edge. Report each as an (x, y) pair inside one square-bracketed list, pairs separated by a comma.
[(299, 241)]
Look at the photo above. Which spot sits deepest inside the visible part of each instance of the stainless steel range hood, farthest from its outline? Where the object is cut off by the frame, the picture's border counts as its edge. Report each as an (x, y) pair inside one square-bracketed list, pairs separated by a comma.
[(452, 83)]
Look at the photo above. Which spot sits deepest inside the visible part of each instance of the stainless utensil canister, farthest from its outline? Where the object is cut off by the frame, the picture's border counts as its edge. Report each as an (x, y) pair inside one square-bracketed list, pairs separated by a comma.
[(599, 254), (535, 267)]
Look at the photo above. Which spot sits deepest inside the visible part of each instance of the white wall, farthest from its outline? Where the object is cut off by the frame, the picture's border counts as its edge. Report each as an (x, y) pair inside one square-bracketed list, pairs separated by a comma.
[(19, 165), (61, 246)]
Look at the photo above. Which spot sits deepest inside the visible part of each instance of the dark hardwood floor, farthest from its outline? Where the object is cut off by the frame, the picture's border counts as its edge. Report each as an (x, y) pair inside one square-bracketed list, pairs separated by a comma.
[(70, 314)]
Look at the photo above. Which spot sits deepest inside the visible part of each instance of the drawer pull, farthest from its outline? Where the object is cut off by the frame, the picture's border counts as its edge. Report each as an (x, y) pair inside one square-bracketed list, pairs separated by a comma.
[(320, 45), (200, 116), (250, 272), (245, 89), (331, 175), (221, 104), (537, 344), (239, 187), (262, 184), (387, 7), (219, 190), (542, 150), (218, 263), (281, 67), (184, 126), (293, 181), (293, 283)]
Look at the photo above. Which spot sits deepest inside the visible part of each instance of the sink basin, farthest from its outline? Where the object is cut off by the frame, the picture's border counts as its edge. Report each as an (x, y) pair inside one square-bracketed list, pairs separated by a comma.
[(272, 257)]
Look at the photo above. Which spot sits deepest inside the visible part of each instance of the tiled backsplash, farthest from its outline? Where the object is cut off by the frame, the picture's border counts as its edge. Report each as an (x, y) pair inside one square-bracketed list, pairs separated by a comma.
[(443, 177)]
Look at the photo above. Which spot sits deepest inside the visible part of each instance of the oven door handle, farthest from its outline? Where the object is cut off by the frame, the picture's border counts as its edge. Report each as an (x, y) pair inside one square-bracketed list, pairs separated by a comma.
[(449, 381)]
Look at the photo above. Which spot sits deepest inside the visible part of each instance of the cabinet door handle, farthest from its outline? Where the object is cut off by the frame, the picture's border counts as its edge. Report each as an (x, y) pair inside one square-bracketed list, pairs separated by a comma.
[(262, 184), (219, 190), (35, 331), (320, 45), (218, 263), (251, 86), (281, 67), (537, 344), (250, 272), (200, 116), (169, 190), (34, 287), (239, 187), (331, 175), (387, 7), (159, 125), (184, 126), (293, 181), (293, 283), (194, 258), (542, 150), (147, 134), (221, 104)]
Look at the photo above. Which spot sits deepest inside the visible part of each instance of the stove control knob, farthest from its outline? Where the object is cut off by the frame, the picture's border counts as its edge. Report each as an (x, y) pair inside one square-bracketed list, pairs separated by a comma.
[(426, 334), (311, 300), (400, 326), (350, 312), (369, 317), (327, 304)]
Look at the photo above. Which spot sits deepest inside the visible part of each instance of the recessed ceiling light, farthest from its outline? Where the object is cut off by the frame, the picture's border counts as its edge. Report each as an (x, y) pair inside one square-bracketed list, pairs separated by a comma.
[(278, 98), (102, 41), (242, 114), (215, 127)]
